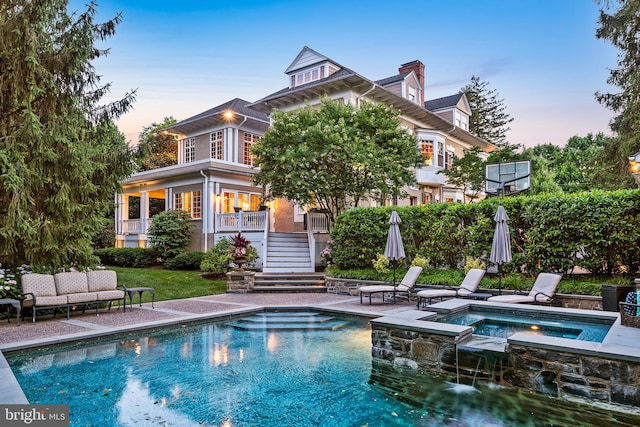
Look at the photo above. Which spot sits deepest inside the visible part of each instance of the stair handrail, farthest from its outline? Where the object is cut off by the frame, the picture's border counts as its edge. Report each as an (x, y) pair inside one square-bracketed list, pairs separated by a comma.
[(265, 239), (311, 241)]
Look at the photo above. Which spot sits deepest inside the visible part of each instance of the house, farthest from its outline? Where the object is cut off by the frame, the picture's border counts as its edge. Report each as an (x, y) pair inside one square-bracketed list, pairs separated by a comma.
[(213, 178)]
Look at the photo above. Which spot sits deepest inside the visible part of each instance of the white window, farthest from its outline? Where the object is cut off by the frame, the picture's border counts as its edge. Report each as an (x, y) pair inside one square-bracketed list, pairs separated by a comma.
[(216, 145), (190, 202), (412, 93), (189, 150), (462, 120), (440, 162), (249, 140), (449, 160), (426, 148), (307, 76), (244, 201)]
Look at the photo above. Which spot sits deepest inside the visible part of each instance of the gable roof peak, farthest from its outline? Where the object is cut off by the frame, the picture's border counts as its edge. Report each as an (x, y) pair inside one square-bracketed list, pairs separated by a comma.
[(306, 58)]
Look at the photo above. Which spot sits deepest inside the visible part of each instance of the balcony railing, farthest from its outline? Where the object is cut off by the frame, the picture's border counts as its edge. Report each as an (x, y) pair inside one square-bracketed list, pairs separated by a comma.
[(134, 226), (317, 222), (242, 221)]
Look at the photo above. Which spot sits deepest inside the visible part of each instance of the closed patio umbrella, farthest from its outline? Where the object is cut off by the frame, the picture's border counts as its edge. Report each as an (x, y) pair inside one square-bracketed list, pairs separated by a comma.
[(501, 248), (394, 250)]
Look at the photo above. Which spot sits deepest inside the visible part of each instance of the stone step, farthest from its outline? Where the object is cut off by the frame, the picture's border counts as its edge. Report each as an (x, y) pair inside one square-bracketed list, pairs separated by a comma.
[(289, 289)]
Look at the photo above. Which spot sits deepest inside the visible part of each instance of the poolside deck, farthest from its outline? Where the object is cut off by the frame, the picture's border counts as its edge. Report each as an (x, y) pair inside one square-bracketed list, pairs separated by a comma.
[(49, 330)]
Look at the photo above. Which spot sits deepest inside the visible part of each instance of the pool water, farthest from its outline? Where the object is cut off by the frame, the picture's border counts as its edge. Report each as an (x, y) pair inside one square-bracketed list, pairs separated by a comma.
[(297, 370), (503, 324)]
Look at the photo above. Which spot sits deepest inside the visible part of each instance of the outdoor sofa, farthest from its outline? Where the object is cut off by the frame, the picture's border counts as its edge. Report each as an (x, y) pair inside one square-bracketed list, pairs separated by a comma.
[(68, 289)]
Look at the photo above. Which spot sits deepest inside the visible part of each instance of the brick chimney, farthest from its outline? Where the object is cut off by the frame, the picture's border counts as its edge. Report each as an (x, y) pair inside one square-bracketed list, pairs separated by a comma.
[(418, 68)]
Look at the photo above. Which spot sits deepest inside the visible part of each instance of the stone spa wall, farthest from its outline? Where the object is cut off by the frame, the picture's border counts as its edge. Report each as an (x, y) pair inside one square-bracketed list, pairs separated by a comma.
[(561, 372)]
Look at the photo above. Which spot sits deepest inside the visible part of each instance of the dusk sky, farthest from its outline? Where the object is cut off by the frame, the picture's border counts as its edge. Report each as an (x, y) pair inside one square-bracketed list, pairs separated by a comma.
[(541, 56)]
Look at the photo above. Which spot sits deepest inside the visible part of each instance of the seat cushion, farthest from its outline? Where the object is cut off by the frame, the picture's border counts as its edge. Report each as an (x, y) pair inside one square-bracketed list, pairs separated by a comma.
[(515, 299), (41, 285), (102, 280), (46, 301), (547, 283), (72, 282), (436, 293), (110, 295), (81, 297), (376, 288)]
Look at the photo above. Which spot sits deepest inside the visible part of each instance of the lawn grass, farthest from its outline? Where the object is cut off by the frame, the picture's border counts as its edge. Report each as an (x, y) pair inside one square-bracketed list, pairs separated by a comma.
[(168, 284)]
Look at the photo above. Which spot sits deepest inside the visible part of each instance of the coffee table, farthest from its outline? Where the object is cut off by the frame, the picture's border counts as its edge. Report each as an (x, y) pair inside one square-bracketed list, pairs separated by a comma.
[(132, 291)]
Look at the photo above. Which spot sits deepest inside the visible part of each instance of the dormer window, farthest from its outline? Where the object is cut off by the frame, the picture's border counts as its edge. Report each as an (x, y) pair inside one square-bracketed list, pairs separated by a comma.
[(412, 94), (462, 120), (308, 76)]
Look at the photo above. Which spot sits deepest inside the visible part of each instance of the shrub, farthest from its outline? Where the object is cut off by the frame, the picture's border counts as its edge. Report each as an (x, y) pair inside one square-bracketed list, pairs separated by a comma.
[(169, 233), (471, 262), (216, 260), (419, 261), (597, 230), (127, 257), (381, 264), (185, 261)]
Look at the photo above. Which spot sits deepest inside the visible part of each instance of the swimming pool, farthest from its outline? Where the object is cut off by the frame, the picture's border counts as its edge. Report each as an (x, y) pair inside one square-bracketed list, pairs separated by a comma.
[(293, 371), (504, 323)]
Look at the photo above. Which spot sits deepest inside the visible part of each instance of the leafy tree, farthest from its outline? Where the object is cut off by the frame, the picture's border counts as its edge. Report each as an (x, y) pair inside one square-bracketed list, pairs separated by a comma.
[(467, 173), (169, 232), (336, 155), (574, 167), (157, 149), (489, 118), (61, 155), (619, 24)]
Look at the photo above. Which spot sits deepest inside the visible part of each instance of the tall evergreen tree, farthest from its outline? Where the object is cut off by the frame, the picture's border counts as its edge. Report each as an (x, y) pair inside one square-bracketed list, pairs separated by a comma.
[(61, 156), (619, 24), (489, 118)]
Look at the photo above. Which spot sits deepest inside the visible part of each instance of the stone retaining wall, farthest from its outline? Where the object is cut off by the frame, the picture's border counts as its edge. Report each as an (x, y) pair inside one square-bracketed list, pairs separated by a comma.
[(551, 372), (567, 374)]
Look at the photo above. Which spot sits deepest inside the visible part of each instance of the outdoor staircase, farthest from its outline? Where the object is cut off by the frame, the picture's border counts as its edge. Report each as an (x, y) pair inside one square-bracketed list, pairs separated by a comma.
[(288, 321), (289, 282), (288, 253)]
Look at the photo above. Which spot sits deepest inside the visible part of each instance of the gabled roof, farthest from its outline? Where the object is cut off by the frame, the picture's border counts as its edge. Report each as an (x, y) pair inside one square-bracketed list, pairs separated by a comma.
[(213, 117), (307, 58), (393, 79), (348, 80), (445, 102)]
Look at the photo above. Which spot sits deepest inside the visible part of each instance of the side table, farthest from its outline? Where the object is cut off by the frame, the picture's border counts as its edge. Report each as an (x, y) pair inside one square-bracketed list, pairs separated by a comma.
[(479, 295), (16, 304), (132, 291)]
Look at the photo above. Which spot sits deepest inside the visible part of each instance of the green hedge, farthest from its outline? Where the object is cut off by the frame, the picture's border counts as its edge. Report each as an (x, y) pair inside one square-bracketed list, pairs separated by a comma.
[(595, 230)]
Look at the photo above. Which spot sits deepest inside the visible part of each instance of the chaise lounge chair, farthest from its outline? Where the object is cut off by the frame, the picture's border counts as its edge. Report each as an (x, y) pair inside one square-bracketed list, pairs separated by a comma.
[(542, 292), (469, 285), (406, 286)]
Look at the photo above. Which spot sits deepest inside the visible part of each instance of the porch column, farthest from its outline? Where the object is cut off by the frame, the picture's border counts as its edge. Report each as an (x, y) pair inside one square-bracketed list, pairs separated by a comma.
[(230, 151), (211, 209), (119, 214), (144, 211)]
